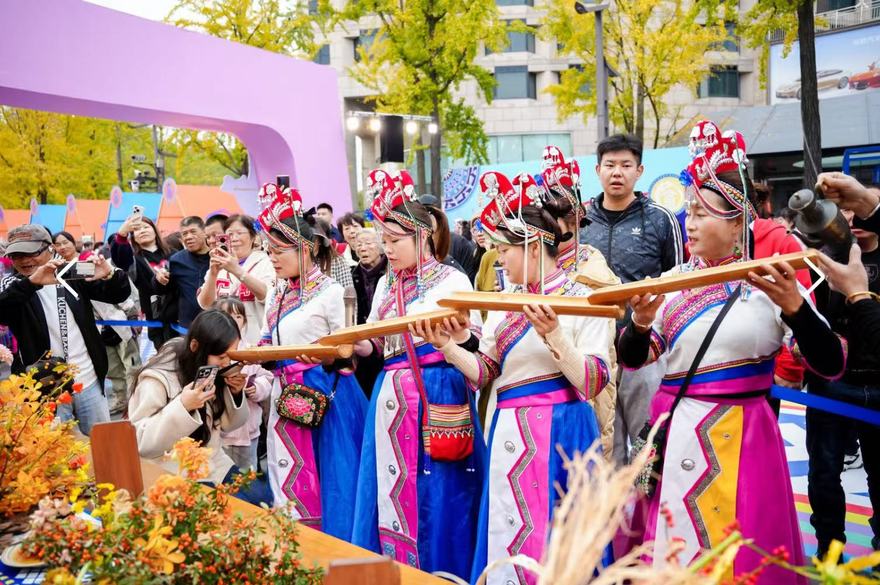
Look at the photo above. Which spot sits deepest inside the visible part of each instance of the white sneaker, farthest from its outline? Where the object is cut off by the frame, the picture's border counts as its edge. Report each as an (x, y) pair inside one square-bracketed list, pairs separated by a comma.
[(853, 461)]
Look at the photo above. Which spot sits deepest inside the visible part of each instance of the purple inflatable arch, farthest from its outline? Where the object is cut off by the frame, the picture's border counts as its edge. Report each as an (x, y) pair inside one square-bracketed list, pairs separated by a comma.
[(73, 57)]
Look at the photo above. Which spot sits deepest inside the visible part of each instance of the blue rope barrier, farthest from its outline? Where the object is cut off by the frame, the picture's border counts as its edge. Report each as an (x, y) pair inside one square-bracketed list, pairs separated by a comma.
[(149, 324), (827, 404), (112, 323)]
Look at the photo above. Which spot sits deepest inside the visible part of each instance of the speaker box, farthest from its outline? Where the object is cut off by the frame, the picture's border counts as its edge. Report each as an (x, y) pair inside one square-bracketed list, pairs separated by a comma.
[(391, 139)]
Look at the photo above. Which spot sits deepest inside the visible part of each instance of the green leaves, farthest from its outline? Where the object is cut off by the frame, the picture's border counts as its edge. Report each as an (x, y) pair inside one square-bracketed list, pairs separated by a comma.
[(423, 53), (652, 46)]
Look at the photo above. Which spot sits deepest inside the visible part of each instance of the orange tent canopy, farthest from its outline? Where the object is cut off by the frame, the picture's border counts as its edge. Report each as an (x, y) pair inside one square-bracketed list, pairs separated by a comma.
[(13, 218), (89, 217), (201, 200)]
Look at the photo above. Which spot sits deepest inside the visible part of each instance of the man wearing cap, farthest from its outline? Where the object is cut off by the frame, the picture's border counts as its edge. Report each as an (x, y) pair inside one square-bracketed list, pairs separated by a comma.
[(44, 316)]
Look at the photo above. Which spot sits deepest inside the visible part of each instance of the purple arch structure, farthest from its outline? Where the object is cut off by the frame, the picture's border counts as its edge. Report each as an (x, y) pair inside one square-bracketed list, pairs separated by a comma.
[(73, 57)]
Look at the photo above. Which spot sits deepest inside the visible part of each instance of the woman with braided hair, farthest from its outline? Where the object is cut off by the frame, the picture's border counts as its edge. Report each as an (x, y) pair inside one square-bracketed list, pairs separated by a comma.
[(542, 370), (423, 455), (562, 199), (312, 449), (724, 459)]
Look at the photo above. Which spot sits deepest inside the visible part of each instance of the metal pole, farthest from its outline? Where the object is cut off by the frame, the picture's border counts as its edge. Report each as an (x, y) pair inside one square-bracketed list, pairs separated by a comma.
[(601, 82)]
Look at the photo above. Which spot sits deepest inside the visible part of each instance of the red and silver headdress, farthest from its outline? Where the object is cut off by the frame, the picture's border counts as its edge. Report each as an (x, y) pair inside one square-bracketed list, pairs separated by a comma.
[(507, 200), (718, 153), (727, 154), (390, 194), (561, 178), (283, 211)]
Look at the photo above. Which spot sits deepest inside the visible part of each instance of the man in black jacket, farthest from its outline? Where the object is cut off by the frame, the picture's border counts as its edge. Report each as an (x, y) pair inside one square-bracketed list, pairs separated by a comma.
[(186, 271), (829, 435), (44, 316), (638, 238)]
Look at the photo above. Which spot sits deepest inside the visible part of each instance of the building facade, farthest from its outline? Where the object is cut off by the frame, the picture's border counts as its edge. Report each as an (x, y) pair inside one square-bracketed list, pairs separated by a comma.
[(522, 117)]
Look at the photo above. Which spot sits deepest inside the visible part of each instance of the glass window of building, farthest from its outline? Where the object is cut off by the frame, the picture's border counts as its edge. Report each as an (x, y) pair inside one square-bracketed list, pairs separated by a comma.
[(518, 42), (514, 83), (723, 81), (323, 56), (506, 148), (363, 41)]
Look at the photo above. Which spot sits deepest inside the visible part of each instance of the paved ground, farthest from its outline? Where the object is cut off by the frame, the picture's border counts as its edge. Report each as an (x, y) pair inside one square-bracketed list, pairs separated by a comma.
[(858, 506)]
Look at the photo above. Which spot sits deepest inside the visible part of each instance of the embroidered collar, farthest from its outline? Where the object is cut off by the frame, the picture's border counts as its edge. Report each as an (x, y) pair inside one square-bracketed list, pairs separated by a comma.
[(552, 282), (566, 260), (703, 263), (291, 297), (433, 272)]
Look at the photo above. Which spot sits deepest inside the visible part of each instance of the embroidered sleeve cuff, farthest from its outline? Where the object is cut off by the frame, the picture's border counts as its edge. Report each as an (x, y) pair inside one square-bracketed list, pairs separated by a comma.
[(588, 374), (462, 360)]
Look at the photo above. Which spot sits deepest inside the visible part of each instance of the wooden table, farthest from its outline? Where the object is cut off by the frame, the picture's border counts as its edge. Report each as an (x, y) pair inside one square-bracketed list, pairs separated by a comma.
[(315, 547)]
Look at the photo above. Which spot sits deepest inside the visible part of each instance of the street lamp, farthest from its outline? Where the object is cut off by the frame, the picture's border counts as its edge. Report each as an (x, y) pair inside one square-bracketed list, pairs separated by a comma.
[(412, 127), (375, 124), (352, 123), (433, 128), (601, 73)]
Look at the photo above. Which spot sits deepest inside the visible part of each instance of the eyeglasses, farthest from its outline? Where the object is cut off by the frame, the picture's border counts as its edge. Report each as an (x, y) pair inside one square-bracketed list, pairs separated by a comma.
[(22, 255), (273, 249)]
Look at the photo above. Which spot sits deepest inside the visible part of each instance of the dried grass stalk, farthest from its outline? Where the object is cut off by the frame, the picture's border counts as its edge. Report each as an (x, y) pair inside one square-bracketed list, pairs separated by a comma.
[(584, 525)]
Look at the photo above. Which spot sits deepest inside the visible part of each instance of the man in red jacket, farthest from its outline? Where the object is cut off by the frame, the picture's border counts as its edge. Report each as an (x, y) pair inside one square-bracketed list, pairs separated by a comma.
[(772, 238)]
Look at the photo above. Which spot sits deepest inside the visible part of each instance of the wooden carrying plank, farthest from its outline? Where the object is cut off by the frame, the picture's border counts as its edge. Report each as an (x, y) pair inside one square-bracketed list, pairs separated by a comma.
[(623, 292), (491, 301), (115, 456), (382, 571), (284, 352), (385, 327)]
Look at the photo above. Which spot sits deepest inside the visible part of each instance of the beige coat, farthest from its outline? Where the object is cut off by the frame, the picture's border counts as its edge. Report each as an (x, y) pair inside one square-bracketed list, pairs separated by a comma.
[(160, 420), (599, 275)]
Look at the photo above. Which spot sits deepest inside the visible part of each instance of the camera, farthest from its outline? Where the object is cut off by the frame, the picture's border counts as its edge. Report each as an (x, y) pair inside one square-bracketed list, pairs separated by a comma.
[(80, 271)]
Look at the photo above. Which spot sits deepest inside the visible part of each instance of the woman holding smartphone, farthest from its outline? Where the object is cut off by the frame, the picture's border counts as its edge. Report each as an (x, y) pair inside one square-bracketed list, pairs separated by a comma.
[(181, 392), (316, 416), (241, 443), (138, 243), (237, 270)]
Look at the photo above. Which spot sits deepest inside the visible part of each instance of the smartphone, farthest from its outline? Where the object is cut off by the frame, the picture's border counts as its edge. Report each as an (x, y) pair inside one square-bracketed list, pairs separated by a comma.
[(137, 211), (499, 276), (223, 242), (207, 373), (283, 181), (231, 370), (80, 271)]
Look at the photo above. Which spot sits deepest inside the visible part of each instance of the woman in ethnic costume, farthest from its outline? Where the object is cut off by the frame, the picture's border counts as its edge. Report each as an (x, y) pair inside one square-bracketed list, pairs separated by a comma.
[(418, 493), (543, 370), (563, 201), (725, 459), (311, 468)]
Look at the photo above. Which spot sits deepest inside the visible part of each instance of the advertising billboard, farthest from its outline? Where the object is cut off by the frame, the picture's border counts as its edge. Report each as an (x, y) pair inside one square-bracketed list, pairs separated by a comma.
[(847, 62)]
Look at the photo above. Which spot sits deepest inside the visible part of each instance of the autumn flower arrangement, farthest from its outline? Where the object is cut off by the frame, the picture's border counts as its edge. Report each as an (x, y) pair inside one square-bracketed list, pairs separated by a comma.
[(177, 532), (39, 455)]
